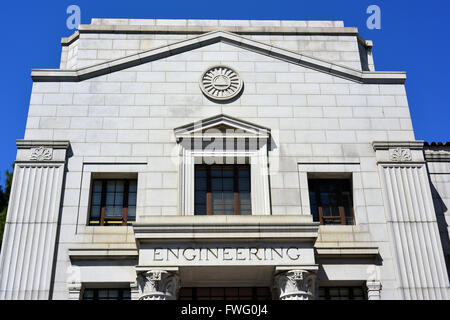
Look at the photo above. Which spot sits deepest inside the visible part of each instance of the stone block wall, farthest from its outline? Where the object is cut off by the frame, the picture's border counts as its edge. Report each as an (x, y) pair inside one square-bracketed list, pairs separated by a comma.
[(124, 121), (97, 46)]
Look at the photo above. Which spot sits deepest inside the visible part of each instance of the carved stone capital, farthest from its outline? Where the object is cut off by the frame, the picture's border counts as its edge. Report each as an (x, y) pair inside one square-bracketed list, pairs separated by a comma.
[(373, 290), (42, 151), (134, 290), (398, 152), (158, 285), (74, 290), (295, 285)]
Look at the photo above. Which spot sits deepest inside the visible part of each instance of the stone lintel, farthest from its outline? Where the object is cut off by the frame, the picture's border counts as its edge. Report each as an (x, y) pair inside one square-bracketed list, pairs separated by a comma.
[(312, 268), (293, 228), (140, 269), (347, 251)]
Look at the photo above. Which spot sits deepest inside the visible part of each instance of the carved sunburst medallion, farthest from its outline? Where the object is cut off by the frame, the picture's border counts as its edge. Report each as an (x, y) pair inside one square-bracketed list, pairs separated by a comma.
[(221, 83)]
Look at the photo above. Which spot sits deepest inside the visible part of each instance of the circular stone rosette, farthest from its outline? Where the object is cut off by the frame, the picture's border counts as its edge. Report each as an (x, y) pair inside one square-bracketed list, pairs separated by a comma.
[(221, 83)]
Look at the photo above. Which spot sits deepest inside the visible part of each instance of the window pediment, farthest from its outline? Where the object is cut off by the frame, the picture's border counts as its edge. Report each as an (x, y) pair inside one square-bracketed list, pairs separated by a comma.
[(224, 140), (221, 126)]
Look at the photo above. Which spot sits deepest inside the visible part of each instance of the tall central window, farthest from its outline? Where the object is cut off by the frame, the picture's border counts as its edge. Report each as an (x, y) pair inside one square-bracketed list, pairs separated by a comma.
[(222, 190)]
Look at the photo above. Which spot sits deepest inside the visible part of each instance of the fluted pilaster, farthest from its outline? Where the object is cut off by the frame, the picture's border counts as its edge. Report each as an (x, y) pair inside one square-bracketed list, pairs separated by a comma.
[(26, 261), (411, 221)]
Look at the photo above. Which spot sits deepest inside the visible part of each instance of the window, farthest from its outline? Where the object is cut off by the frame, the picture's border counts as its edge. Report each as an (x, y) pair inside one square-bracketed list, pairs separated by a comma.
[(331, 201), (222, 190), (262, 293), (342, 293), (107, 294), (113, 202)]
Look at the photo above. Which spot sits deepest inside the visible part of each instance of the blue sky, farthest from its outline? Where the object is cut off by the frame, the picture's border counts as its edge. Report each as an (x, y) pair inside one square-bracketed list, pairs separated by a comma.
[(413, 38)]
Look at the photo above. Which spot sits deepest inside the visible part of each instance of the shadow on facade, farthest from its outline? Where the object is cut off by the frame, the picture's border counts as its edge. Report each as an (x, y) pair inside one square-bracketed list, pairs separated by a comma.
[(440, 209), (69, 154)]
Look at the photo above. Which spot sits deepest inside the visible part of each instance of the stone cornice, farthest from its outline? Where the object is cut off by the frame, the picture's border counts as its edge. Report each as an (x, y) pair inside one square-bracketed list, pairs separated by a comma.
[(346, 251), (228, 228), (57, 75), (103, 253), (241, 30), (67, 41), (437, 155), (55, 144), (249, 130), (386, 145), (143, 268)]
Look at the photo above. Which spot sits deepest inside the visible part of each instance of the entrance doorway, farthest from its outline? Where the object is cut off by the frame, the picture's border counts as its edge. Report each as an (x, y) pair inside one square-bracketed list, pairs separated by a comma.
[(234, 293)]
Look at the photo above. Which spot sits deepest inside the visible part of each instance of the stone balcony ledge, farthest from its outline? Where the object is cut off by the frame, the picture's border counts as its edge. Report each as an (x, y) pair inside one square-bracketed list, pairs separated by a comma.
[(229, 228)]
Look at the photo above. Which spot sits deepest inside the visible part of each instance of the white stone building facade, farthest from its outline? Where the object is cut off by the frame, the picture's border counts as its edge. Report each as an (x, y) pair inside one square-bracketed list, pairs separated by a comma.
[(188, 159)]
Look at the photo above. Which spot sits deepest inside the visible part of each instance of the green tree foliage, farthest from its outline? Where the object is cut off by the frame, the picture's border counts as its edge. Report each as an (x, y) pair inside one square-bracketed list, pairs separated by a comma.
[(4, 199)]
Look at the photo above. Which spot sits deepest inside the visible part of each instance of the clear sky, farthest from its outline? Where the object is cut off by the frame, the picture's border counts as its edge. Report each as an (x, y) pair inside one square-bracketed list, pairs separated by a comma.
[(414, 37)]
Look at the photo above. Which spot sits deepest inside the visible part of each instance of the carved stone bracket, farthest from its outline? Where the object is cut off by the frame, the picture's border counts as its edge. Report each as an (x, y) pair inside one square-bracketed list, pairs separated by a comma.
[(158, 285), (295, 285), (373, 290)]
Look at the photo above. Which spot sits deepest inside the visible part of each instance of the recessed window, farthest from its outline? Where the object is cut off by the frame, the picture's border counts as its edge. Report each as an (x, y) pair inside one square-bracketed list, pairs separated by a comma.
[(342, 293), (113, 202), (107, 294), (222, 190), (331, 201)]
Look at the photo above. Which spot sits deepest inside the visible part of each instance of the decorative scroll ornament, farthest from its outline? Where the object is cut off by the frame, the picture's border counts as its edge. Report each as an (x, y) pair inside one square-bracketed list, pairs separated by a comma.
[(41, 154), (296, 285), (158, 285), (221, 83), (400, 155)]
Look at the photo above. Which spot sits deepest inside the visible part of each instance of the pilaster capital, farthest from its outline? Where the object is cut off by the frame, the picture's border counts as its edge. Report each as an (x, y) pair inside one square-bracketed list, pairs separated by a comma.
[(399, 151), (373, 290), (39, 151), (158, 285), (74, 290), (295, 285)]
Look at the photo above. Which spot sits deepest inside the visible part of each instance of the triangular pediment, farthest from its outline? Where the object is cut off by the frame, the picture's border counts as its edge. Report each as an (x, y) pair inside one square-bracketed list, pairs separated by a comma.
[(58, 75), (221, 126)]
